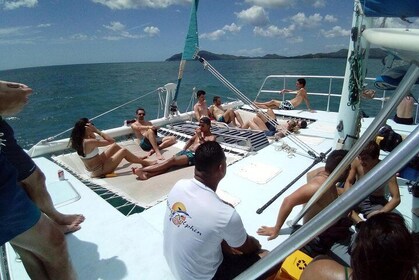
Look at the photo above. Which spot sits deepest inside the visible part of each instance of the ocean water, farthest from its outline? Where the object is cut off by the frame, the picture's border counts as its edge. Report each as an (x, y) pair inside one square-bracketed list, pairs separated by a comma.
[(63, 94)]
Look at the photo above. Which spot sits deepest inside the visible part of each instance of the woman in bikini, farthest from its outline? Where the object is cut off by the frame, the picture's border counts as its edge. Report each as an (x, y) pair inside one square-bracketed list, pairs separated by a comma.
[(85, 141)]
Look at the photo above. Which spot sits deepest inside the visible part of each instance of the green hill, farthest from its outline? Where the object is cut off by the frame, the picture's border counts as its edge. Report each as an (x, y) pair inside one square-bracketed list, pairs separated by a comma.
[(374, 53)]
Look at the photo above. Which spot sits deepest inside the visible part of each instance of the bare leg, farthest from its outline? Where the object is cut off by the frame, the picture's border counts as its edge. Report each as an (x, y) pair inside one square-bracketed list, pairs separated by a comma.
[(151, 136), (260, 123), (167, 142), (239, 118), (112, 161), (268, 105), (35, 187), (45, 245), (160, 168)]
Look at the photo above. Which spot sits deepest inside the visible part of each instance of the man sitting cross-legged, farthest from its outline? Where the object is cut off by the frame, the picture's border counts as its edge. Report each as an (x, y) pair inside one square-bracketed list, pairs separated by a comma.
[(146, 132), (184, 158), (222, 115)]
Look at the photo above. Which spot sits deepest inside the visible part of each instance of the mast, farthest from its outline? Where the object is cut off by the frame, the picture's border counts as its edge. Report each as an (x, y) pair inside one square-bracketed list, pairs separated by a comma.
[(348, 119)]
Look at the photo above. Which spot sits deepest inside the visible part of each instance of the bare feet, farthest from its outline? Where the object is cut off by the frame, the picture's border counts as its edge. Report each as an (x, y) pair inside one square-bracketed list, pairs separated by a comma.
[(70, 223), (160, 157), (151, 152), (141, 175)]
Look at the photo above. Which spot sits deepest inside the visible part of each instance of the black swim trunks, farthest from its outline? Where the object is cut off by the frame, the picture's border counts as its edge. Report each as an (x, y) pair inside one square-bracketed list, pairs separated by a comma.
[(23, 163), (407, 121)]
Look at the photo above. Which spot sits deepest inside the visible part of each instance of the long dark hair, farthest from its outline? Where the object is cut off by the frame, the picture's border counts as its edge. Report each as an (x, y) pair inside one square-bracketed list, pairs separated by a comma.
[(384, 249), (77, 136)]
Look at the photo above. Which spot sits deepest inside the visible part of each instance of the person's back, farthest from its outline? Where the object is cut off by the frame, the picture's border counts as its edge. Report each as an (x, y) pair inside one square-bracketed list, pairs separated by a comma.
[(193, 230), (325, 199), (404, 111), (204, 237)]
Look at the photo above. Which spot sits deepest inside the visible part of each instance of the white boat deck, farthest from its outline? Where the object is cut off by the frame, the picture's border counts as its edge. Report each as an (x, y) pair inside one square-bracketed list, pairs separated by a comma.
[(113, 246)]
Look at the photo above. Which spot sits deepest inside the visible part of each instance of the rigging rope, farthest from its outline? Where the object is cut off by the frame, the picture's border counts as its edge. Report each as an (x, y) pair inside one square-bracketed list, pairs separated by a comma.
[(111, 110), (249, 102)]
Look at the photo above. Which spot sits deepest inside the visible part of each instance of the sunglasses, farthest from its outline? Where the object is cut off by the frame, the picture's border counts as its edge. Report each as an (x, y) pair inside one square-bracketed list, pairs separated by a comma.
[(141, 114)]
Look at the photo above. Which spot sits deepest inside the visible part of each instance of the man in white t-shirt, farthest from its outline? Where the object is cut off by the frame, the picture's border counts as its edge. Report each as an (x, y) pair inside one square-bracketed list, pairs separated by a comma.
[(204, 237)]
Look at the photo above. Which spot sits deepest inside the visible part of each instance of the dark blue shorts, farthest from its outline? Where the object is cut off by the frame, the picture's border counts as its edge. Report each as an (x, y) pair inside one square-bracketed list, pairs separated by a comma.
[(15, 154), (146, 145), (17, 212), (189, 154)]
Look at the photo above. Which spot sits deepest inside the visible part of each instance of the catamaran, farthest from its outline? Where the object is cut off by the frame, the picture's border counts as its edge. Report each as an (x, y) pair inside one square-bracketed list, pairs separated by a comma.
[(122, 235)]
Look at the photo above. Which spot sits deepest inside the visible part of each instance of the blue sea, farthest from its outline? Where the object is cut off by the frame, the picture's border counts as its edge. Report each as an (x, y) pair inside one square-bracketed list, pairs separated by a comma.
[(63, 94)]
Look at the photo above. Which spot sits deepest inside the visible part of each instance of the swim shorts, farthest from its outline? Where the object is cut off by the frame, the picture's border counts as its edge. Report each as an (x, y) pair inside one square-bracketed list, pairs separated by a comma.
[(370, 204), (23, 163), (407, 121), (286, 105), (146, 145), (189, 154), (17, 212), (221, 119)]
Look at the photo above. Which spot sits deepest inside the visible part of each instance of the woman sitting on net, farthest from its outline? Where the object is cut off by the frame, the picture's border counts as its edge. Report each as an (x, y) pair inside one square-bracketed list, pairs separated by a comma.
[(384, 249), (84, 139)]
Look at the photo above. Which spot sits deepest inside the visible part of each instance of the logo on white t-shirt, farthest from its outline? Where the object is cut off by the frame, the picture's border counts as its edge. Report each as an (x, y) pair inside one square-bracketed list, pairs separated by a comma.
[(180, 217)]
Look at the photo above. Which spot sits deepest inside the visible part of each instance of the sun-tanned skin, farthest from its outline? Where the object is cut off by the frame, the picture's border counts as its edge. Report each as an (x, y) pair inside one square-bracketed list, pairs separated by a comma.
[(301, 95), (228, 116), (202, 134), (145, 129)]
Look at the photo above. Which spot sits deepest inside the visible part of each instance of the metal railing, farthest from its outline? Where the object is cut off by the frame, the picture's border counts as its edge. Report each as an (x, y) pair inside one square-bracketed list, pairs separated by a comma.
[(332, 86)]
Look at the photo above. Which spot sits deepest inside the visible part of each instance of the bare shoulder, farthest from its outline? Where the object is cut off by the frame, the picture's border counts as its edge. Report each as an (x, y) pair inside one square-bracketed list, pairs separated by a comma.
[(325, 269)]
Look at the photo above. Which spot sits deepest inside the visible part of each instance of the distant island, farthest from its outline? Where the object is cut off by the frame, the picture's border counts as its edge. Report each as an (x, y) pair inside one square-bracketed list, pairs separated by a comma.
[(343, 53)]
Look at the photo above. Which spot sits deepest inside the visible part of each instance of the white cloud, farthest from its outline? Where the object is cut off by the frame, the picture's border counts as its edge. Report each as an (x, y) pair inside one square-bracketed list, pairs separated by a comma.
[(233, 28), (79, 37), (220, 33), (336, 31), (115, 26), (330, 18), (152, 31), (213, 36), (255, 15), (44, 25), (312, 21), (16, 4), (273, 31), (319, 3), (135, 4), (271, 3), (118, 32)]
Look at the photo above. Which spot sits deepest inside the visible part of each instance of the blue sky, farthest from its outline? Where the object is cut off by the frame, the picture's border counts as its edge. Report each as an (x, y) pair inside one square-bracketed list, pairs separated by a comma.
[(56, 32)]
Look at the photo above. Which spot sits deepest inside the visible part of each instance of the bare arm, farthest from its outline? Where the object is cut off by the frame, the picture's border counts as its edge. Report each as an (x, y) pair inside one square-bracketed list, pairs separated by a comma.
[(304, 95), (196, 112), (300, 196), (395, 197), (350, 180), (251, 245)]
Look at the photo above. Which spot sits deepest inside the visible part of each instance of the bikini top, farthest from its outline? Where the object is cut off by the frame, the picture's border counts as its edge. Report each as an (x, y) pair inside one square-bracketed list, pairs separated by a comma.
[(92, 154)]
